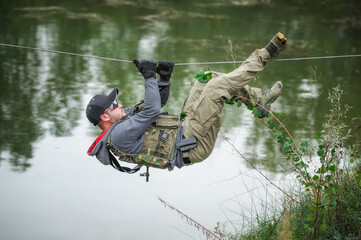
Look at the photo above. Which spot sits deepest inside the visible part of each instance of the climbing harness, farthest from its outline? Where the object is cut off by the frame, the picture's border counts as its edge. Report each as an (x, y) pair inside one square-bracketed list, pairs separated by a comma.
[(177, 64)]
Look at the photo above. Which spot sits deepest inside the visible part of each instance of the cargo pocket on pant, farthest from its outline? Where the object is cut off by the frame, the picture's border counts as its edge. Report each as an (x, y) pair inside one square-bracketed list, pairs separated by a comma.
[(204, 115)]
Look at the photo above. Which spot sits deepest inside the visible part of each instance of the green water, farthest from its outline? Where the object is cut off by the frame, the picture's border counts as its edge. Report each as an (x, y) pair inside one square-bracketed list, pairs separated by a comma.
[(44, 134)]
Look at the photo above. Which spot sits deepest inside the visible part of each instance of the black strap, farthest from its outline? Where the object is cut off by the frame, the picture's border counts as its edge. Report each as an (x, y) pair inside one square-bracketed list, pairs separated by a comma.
[(186, 144), (115, 164)]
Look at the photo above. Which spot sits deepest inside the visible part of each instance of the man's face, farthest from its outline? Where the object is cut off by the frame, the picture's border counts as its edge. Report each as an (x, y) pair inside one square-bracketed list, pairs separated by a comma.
[(115, 112)]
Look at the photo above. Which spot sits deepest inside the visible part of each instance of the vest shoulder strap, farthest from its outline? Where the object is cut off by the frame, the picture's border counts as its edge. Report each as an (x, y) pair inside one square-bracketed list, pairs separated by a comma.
[(115, 164)]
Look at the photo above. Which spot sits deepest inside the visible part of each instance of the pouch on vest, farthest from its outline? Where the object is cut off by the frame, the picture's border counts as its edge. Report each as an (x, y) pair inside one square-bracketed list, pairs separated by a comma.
[(158, 146), (167, 121)]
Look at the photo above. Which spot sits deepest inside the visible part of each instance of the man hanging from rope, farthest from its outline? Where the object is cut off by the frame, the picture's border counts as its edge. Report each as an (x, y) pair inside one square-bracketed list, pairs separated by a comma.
[(141, 134)]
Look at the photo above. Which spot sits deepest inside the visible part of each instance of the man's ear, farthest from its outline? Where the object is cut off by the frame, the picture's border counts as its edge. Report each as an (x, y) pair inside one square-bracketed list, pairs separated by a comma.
[(105, 117)]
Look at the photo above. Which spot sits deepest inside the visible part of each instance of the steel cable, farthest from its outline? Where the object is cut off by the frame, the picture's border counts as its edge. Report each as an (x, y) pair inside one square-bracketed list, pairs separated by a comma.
[(177, 64)]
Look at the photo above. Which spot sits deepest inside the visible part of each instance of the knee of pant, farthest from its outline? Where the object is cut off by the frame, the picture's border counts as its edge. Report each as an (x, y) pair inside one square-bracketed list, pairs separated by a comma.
[(199, 155), (218, 89), (202, 151), (206, 114), (205, 146)]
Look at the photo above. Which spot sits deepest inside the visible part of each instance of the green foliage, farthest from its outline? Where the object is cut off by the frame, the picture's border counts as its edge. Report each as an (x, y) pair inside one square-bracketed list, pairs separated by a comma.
[(232, 101), (182, 115), (322, 185), (255, 111), (203, 77), (329, 208), (341, 207), (262, 231)]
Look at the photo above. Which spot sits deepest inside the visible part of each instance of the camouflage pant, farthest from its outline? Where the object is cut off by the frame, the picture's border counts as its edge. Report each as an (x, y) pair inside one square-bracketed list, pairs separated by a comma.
[(204, 103)]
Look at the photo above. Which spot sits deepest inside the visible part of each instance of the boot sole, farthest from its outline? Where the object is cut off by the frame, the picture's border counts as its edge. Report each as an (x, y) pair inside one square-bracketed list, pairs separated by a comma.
[(278, 93)]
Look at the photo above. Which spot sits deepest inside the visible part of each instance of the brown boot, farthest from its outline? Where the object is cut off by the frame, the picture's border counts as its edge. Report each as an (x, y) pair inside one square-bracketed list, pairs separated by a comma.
[(268, 97), (277, 44)]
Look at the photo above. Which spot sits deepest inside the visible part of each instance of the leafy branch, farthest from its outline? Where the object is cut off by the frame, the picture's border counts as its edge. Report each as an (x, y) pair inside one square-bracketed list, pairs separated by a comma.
[(321, 184)]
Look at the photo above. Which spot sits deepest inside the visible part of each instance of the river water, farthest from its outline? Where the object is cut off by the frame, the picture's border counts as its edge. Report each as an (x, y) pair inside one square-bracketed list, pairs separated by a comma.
[(51, 189)]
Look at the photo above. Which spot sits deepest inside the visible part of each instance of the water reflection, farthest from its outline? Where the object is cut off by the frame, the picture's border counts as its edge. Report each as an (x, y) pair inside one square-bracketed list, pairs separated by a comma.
[(41, 93), (44, 132)]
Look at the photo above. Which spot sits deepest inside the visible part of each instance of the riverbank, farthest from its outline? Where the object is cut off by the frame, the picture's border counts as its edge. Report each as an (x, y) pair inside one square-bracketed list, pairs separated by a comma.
[(327, 205)]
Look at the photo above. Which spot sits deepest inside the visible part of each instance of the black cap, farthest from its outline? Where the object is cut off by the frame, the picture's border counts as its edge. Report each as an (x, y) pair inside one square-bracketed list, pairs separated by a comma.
[(97, 105)]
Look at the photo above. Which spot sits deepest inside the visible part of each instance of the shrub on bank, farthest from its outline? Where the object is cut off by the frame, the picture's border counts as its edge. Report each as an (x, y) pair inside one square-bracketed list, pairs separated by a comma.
[(329, 205)]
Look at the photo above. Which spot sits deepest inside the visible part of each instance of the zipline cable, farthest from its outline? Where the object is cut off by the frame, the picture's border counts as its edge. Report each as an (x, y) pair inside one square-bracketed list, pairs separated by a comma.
[(177, 64), (276, 60), (66, 53)]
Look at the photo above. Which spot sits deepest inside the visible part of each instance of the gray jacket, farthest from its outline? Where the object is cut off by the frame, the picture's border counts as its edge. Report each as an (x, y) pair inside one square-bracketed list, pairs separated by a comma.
[(128, 134)]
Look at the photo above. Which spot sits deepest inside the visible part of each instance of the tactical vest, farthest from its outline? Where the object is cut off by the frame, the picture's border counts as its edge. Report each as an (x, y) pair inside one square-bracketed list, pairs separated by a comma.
[(158, 146)]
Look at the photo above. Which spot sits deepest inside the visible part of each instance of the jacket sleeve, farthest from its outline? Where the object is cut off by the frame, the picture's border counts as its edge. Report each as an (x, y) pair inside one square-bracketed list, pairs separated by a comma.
[(127, 136)]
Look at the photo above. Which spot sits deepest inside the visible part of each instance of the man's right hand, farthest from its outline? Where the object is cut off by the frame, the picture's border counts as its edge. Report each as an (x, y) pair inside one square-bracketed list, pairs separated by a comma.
[(146, 67)]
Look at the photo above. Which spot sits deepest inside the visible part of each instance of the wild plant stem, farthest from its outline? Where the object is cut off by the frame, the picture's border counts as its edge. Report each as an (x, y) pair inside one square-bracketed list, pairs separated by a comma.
[(254, 167), (197, 224), (269, 235)]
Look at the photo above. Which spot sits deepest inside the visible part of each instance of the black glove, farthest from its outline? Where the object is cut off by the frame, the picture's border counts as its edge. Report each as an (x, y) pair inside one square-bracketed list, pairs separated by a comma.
[(146, 67), (164, 69)]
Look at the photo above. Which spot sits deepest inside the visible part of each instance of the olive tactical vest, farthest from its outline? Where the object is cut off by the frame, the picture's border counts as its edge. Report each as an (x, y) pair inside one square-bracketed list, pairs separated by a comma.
[(159, 144)]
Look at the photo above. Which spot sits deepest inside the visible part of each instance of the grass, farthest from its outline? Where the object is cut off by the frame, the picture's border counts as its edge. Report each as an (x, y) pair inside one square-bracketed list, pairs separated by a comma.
[(341, 222)]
